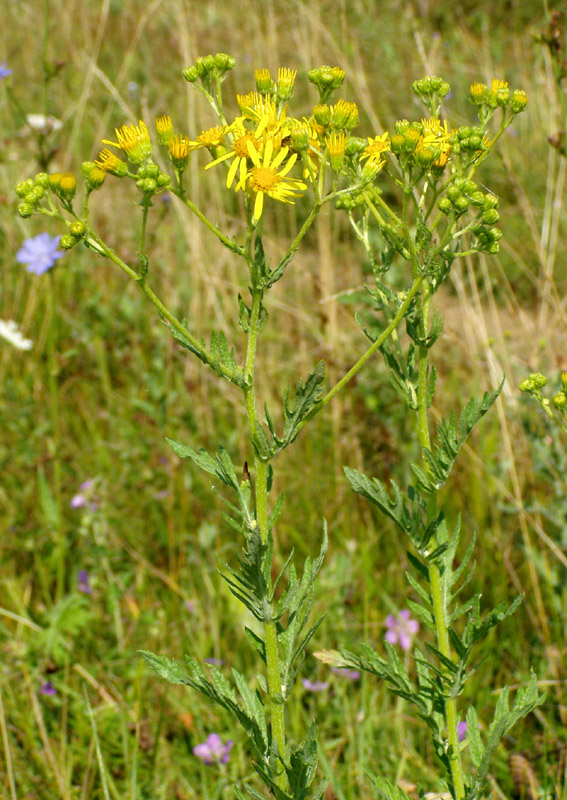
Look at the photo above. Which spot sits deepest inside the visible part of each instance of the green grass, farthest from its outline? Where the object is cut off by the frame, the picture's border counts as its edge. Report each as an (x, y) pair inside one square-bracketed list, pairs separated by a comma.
[(99, 404)]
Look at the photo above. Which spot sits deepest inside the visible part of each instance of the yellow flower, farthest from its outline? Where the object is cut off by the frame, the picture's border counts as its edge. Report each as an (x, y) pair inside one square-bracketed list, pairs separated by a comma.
[(134, 140), (435, 135), (264, 82), (497, 84), (377, 147), (286, 79), (264, 177), (164, 128), (477, 93), (179, 148), (344, 115), (109, 162), (336, 144), (239, 150), (212, 137)]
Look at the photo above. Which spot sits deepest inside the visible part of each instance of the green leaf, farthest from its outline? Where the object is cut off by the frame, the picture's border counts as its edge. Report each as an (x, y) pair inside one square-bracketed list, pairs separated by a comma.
[(387, 789), (166, 668), (393, 506), (474, 741), (307, 397), (450, 439)]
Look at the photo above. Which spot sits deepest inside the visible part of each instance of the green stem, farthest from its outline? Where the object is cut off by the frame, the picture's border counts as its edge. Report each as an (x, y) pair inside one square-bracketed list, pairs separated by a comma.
[(164, 312), (228, 243), (52, 370), (368, 354), (437, 581), (261, 497)]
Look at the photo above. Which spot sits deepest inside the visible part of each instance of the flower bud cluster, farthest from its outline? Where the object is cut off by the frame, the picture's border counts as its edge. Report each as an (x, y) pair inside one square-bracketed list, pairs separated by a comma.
[(498, 95), (77, 230), (150, 179), (327, 80), (33, 191), (215, 67), (468, 139), (463, 195), (429, 87), (535, 382)]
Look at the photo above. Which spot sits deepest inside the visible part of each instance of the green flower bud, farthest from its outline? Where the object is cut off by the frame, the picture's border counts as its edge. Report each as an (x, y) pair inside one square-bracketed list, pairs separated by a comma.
[(67, 242), (77, 229), (326, 77), (401, 126), (299, 139), (490, 217), (477, 198), (445, 205), (42, 179), (519, 101), (322, 114), (190, 74), (560, 401), (426, 156), (526, 385), (538, 379), (54, 181), (35, 195), (163, 180), (24, 187), (475, 143), (25, 210), (494, 234), (209, 63), (490, 201), (147, 185), (224, 62), (493, 248), (461, 204), (355, 145), (453, 193), (464, 132), (470, 187)]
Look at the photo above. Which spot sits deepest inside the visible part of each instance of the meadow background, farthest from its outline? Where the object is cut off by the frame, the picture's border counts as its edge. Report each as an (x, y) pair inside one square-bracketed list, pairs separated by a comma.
[(104, 384)]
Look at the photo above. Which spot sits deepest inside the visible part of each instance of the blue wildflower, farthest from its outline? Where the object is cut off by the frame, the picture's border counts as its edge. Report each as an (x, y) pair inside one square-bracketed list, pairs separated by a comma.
[(4, 70), (39, 253)]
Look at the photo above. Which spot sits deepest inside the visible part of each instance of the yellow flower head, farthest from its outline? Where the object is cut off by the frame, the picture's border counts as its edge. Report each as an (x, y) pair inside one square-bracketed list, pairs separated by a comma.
[(376, 147), (336, 144), (134, 140), (497, 84), (109, 162), (242, 137), (211, 138), (179, 149), (344, 115), (435, 137), (499, 93), (264, 82), (264, 177), (286, 79), (164, 128), (477, 93)]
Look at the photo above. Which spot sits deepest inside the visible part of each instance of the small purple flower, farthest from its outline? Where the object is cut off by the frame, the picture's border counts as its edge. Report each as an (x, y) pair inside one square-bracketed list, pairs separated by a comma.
[(80, 500), (39, 253), (216, 662), (401, 629), (4, 70), (462, 731), (213, 751), (314, 686), (84, 582), (48, 689), (348, 674)]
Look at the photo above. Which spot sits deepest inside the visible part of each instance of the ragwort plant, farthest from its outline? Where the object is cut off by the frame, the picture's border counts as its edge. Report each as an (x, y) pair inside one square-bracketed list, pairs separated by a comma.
[(267, 155)]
